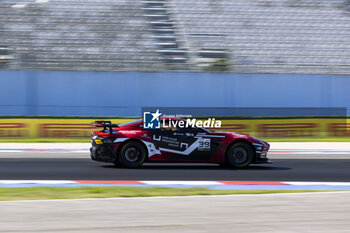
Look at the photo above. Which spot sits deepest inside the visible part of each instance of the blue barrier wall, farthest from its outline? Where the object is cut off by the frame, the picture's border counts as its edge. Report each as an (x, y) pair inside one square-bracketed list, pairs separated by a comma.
[(124, 93)]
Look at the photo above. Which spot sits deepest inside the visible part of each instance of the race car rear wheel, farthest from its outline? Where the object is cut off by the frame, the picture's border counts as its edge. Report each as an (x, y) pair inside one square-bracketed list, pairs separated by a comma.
[(132, 155), (239, 155)]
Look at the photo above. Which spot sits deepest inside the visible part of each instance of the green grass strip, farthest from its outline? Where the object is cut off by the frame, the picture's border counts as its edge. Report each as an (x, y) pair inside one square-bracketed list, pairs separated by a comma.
[(43, 193), (308, 139)]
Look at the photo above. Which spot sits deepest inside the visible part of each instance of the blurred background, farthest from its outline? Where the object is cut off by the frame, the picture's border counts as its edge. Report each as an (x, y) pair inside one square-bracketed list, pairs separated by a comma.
[(110, 58), (248, 36)]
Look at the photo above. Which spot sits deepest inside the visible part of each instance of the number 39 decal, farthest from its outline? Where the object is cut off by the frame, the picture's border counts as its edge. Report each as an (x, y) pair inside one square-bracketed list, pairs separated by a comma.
[(204, 144)]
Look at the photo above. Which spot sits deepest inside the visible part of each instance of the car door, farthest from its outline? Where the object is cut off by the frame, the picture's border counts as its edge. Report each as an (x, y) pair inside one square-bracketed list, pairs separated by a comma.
[(181, 144)]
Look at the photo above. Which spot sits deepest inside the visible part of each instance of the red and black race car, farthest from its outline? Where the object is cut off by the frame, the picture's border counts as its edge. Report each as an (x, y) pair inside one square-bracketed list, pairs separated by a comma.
[(130, 145)]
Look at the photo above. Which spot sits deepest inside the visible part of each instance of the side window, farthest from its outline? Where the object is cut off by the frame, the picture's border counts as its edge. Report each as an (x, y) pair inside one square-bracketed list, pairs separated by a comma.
[(192, 130), (188, 130)]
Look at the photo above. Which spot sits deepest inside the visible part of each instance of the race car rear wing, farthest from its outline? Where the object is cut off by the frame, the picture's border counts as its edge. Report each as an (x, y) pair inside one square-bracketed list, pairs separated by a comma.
[(105, 125)]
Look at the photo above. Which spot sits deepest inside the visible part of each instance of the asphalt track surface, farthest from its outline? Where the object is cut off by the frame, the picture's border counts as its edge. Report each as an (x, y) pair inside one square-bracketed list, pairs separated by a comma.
[(55, 166)]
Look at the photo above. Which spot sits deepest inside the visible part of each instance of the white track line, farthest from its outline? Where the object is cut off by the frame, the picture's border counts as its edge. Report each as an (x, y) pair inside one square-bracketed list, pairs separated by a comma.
[(185, 183)]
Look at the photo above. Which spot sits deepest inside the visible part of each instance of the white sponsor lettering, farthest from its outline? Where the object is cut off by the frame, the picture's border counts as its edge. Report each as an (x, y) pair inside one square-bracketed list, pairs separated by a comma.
[(210, 123)]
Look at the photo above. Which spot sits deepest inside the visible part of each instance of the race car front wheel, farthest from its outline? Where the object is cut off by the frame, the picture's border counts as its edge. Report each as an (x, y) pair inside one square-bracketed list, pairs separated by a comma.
[(132, 155), (239, 155)]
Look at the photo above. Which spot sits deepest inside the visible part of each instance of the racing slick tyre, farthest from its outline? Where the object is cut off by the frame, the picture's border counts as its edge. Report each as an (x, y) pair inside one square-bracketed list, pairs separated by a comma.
[(132, 155), (239, 155)]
